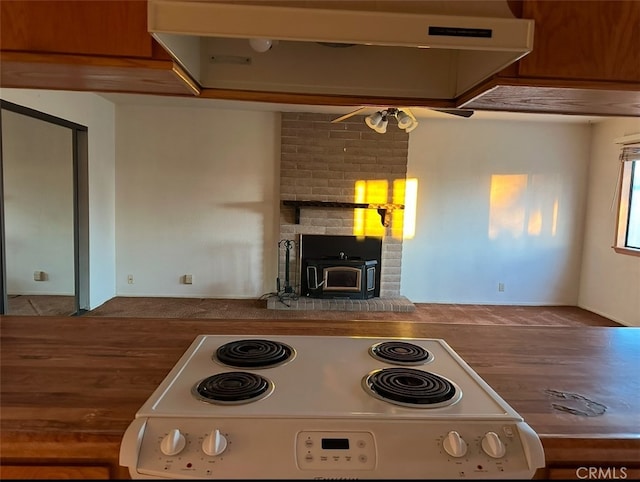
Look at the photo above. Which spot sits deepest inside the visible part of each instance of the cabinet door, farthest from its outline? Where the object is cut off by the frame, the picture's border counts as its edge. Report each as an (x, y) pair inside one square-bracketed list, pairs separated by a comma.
[(592, 471), (86, 27), (584, 40), (33, 472)]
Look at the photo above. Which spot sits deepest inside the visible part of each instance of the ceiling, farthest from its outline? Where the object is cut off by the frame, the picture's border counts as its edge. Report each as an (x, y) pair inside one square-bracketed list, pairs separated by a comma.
[(419, 112)]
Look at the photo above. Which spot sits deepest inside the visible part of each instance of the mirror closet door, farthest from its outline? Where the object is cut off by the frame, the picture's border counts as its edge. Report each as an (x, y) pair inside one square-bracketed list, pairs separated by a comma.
[(40, 213)]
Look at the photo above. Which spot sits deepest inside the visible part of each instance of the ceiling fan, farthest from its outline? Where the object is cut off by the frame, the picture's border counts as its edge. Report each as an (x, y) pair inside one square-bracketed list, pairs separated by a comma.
[(406, 120)]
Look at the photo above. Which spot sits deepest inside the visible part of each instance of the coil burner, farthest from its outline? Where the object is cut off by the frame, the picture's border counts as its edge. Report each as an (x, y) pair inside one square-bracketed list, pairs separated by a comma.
[(400, 353), (254, 353), (233, 388), (410, 387)]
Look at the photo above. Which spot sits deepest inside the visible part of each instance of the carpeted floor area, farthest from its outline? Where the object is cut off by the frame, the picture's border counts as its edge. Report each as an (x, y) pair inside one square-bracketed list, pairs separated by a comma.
[(40, 305), (148, 307)]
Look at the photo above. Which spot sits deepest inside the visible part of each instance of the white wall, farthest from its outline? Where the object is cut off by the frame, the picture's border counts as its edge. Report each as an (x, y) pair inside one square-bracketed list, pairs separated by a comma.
[(98, 115), (610, 282), (498, 202), (38, 205), (196, 194)]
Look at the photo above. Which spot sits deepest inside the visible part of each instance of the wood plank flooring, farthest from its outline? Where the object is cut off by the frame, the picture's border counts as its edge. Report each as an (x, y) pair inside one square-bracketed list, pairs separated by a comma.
[(212, 308), (424, 312)]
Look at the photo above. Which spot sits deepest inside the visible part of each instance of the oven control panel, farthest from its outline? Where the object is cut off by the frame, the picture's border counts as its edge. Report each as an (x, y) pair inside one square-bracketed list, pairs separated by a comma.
[(282, 448), (335, 450)]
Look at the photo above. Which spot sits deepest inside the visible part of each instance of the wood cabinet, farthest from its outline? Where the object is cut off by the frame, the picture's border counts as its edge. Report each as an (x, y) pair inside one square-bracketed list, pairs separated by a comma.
[(593, 40), (85, 45), (591, 458), (591, 471), (34, 472), (62, 453), (76, 27), (585, 60)]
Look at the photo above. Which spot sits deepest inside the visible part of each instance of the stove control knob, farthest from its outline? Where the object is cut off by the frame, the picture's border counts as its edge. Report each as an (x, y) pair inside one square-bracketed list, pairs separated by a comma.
[(492, 445), (173, 443), (214, 444), (454, 444)]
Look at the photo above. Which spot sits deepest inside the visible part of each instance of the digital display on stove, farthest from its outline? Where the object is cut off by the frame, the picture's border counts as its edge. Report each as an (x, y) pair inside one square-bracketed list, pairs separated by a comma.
[(335, 443)]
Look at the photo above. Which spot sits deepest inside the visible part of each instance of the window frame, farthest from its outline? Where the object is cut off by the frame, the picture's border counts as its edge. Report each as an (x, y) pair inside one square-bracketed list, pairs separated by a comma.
[(624, 198)]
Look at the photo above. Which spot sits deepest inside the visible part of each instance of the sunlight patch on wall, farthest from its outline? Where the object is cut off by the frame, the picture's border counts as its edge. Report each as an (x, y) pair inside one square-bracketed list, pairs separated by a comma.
[(523, 204), (506, 204), (535, 223), (398, 215), (554, 221), (542, 205), (410, 200), (366, 222), (358, 214)]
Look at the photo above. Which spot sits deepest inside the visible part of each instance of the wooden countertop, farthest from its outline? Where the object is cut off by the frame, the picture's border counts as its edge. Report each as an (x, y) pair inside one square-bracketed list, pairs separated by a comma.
[(70, 386)]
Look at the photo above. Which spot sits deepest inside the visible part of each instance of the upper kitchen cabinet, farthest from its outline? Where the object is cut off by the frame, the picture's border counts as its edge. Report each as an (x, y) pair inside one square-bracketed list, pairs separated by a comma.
[(84, 45), (585, 60), (116, 29), (584, 40), (546, 56)]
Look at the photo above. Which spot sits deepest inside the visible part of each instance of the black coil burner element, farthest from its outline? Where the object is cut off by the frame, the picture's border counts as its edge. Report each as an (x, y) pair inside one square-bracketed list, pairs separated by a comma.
[(233, 388), (400, 353), (254, 353), (411, 388)]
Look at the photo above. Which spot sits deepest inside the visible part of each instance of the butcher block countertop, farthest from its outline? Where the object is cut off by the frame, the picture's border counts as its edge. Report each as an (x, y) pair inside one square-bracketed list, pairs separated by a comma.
[(70, 386)]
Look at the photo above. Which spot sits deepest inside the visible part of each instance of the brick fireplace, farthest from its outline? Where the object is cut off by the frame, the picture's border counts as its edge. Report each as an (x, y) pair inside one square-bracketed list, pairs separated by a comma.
[(342, 164)]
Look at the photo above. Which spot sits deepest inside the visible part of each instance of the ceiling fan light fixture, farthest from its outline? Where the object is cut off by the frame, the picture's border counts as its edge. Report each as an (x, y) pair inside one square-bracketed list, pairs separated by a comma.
[(404, 120), (381, 128), (374, 119), (411, 126)]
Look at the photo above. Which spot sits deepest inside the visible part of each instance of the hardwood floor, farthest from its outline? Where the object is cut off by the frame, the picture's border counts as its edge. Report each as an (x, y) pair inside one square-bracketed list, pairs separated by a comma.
[(211, 308), (424, 312)]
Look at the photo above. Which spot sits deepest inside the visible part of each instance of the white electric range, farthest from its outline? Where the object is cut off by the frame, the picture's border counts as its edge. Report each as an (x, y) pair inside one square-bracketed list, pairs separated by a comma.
[(314, 407)]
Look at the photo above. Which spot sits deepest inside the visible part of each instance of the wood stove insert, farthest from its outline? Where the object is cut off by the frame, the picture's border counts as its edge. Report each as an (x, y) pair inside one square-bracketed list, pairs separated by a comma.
[(340, 267)]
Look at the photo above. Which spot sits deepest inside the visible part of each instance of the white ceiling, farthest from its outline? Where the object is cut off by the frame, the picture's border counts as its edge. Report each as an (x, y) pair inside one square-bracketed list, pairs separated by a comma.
[(419, 112)]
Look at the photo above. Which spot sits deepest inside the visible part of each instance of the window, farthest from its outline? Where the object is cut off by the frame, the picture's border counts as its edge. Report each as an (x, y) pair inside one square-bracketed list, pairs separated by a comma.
[(628, 225)]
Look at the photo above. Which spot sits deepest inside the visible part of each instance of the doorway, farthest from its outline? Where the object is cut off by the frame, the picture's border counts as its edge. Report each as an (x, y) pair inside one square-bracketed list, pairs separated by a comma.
[(43, 214)]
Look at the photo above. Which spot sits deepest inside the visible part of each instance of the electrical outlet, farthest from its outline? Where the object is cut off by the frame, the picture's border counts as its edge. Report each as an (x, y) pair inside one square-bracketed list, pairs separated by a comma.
[(130, 279), (500, 286), (188, 279)]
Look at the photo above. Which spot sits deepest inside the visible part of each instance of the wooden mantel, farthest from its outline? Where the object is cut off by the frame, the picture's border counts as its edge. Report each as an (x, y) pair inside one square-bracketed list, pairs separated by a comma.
[(384, 210)]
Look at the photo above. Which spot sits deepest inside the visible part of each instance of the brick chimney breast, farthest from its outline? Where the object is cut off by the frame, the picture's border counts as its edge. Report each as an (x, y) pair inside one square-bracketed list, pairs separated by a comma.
[(321, 161)]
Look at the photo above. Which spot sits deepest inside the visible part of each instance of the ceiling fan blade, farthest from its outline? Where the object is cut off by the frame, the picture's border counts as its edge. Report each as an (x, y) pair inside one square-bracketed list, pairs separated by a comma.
[(459, 112), (350, 114)]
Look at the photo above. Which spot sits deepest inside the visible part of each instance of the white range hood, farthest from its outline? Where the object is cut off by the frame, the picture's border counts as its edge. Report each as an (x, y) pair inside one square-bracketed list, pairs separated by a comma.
[(413, 49)]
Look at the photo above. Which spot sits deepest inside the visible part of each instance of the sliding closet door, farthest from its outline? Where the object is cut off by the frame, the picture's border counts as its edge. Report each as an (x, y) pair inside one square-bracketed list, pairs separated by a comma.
[(42, 265)]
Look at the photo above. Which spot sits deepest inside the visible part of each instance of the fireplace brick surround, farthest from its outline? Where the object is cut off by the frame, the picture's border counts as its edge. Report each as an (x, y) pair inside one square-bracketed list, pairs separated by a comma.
[(321, 161)]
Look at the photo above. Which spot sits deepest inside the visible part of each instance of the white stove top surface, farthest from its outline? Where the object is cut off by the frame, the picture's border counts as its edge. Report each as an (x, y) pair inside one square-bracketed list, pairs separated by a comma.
[(323, 380)]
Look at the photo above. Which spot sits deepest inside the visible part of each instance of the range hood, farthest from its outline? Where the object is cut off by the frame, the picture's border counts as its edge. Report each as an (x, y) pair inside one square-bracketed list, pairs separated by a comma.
[(403, 49)]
